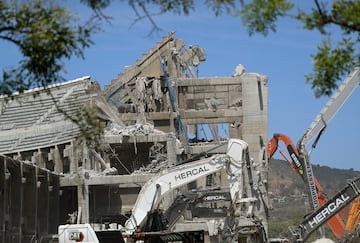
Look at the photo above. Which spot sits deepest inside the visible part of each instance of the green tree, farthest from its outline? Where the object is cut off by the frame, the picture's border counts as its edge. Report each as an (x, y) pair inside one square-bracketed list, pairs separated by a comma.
[(335, 57), (45, 34)]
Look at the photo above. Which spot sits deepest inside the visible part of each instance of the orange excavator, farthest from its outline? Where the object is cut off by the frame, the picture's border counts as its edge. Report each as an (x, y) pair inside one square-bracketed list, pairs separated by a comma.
[(300, 158), (335, 223), (354, 215)]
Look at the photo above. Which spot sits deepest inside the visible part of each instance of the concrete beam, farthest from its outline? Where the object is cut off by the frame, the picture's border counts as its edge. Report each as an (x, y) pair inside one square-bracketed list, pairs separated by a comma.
[(197, 149), (150, 138), (186, 114), (208, 81), (121, 180), (195, 114)]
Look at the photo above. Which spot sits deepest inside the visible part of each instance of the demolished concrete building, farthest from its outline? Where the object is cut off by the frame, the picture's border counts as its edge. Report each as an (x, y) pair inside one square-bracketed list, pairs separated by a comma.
[(155, 115)]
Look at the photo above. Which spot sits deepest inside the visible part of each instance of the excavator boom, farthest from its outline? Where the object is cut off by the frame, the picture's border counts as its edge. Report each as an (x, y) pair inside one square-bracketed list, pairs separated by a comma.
[(328, 210), (315, 130), (335, 223), (318, 126), (332, 107), (354, 215)]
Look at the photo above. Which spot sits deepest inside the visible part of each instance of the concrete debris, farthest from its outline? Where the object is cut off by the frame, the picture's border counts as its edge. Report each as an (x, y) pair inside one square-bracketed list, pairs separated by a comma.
[(132, 130), (159, 160), (158, 152), (34, 131), (154, 167), (239, 70), (212, 103), (110, 171), (86, 173)]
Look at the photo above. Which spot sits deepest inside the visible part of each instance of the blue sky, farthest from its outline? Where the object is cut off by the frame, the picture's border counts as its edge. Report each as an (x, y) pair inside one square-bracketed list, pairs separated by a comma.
[(283, 56)]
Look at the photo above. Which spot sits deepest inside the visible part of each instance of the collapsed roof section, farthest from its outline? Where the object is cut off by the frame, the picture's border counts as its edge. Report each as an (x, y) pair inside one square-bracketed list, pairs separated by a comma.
[(163, 89), (161, 92), (141, 87)]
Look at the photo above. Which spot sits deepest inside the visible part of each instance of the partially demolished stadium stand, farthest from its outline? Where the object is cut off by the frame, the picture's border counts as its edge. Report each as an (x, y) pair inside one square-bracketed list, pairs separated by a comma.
[(156, 114)]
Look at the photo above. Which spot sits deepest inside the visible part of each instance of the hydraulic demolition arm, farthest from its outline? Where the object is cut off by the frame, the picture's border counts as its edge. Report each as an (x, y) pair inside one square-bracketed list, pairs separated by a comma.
[(335, 223), (313, 221)]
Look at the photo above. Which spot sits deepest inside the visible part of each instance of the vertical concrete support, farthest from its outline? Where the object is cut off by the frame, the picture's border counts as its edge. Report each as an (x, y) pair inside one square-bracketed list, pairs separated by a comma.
[(29, 210), (171, 149), (182, 98), (54, 203), (15, 207), (38, 159), (255, 132), (70, 151), (55, 156), (211, 239), (3, 199), (87, 163), (106, 158), (42, 185), (167, 104), (255, 111), (25, 204), (83, 202)]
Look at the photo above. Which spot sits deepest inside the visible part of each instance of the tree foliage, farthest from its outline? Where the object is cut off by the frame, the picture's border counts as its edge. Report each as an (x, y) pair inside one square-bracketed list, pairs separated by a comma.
[(335, 58), (45, 33)]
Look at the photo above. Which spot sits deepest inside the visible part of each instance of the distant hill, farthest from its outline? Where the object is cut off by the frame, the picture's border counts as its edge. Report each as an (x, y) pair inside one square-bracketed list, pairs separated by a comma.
[(288, 197)]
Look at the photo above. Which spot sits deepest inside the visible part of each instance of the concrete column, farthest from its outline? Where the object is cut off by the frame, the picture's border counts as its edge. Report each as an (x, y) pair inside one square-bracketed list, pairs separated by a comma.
[(56, 157), (71, 153), (15, 208), (86, 162), (42, 185), (211, 239), (83, 202), (3, 199), (255, 132), (29, 210), (38, 159), (54, 202), (171, 150)]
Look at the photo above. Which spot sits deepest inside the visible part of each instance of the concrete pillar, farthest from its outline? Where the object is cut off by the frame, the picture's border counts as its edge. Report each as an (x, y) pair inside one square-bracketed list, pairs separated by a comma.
[(38, 159), (3, 199), (55, 156), (171, 149), (71, 152), (86, 161), (29, 210), (15, 197), (54, 202), (255, 132), (211, 239), (83, 202), (42, 185)]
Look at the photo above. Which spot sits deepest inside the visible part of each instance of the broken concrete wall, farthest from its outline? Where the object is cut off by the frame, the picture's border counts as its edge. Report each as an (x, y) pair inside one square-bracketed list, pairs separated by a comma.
[(156, 114), (29, 201)]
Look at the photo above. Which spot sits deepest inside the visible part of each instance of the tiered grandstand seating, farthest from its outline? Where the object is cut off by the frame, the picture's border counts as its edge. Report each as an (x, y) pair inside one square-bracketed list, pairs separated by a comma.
[(32, 120)]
